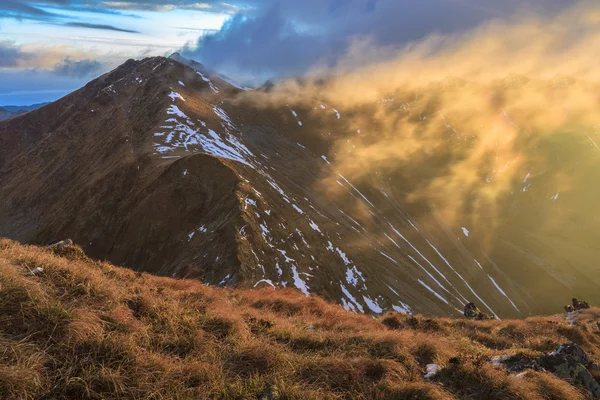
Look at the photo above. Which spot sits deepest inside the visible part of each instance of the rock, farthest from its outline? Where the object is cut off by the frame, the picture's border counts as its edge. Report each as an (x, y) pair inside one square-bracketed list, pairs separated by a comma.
[(571, 317), (259, 325), (36, 271), (66, 248), (270, 393), (579, 305), (499, 360), (63, 244), (519, 364), (569, 309), (570, 361), (432, 370), (520, 375), (472, 312)]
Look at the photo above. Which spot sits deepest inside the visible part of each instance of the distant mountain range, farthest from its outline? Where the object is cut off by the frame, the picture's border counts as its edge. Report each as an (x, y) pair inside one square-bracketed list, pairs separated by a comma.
[(7, 112), (167, 167)]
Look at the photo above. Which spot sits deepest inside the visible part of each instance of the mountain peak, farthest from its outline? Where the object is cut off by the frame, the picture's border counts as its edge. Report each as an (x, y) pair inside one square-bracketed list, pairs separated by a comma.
[(186, 61)]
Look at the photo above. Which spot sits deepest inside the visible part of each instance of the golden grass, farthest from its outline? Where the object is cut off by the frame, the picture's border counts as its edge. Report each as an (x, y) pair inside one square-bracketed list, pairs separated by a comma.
[(83, 329)]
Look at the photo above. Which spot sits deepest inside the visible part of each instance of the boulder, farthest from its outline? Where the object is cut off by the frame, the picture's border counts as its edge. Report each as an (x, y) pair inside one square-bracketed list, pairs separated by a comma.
[(66, 248), (571, 362)]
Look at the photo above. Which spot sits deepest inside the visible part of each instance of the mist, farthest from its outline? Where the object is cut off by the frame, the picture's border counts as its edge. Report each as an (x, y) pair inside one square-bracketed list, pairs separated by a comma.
[(459, 117)]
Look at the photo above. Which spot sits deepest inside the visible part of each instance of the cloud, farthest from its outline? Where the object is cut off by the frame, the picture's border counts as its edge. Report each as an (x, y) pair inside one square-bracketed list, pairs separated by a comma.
[(97, 26), (12, 55), (37, 72), (286, 36), (58, 60), (77, 68), (36, 10), (264, 44), (23, 10), (166, 5)]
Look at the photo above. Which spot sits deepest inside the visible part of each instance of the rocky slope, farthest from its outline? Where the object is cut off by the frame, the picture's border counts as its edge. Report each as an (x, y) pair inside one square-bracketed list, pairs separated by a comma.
[(173, 169)]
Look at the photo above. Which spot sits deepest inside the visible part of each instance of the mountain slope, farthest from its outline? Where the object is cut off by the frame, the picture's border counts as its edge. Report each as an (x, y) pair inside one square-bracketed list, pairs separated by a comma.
[(75, 328), (173, 169)]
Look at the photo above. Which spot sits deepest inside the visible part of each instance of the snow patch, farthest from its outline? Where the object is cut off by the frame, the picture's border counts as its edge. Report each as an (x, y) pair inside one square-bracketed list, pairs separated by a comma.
[(351, 298), (287, 259), (174, 95), (402, 308), (373, 305), (225, 280), (298, 282), (388, 257), (205, 79), (267, 281), (357, 191), (433, 291), (477, 262), (174, 110), (503, 293), (343, 255), (314, 226), (353, 275)]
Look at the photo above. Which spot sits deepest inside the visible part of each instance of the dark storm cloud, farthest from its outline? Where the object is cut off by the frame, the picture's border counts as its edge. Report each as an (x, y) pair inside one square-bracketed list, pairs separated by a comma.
[(283, 37), (98, 26), (255, 43)]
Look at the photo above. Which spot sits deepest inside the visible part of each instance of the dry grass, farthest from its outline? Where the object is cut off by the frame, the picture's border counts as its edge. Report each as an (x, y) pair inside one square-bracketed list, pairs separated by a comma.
[(88, 330)]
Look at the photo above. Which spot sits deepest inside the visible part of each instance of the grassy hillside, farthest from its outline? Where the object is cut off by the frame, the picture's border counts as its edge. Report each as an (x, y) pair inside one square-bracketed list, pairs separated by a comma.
[(72, 328)]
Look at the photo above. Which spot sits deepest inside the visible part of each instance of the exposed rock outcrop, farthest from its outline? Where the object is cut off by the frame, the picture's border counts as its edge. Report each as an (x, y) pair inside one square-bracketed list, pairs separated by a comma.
[(571, 362)]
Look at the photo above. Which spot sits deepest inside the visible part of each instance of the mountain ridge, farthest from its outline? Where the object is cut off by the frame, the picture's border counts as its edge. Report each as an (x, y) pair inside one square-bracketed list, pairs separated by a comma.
[(129, 166)]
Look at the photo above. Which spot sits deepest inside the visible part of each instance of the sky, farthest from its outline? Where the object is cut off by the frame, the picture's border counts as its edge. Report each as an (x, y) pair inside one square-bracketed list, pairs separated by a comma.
[(49, 48)]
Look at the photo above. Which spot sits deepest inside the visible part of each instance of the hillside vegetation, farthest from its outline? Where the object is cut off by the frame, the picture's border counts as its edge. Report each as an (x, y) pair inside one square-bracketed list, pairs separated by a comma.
[(73, 328)]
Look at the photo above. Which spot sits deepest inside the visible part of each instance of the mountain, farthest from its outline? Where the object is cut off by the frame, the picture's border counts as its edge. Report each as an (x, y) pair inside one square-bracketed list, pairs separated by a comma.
[(7, 112), (73, 328), (24, 109), (167, 167)]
